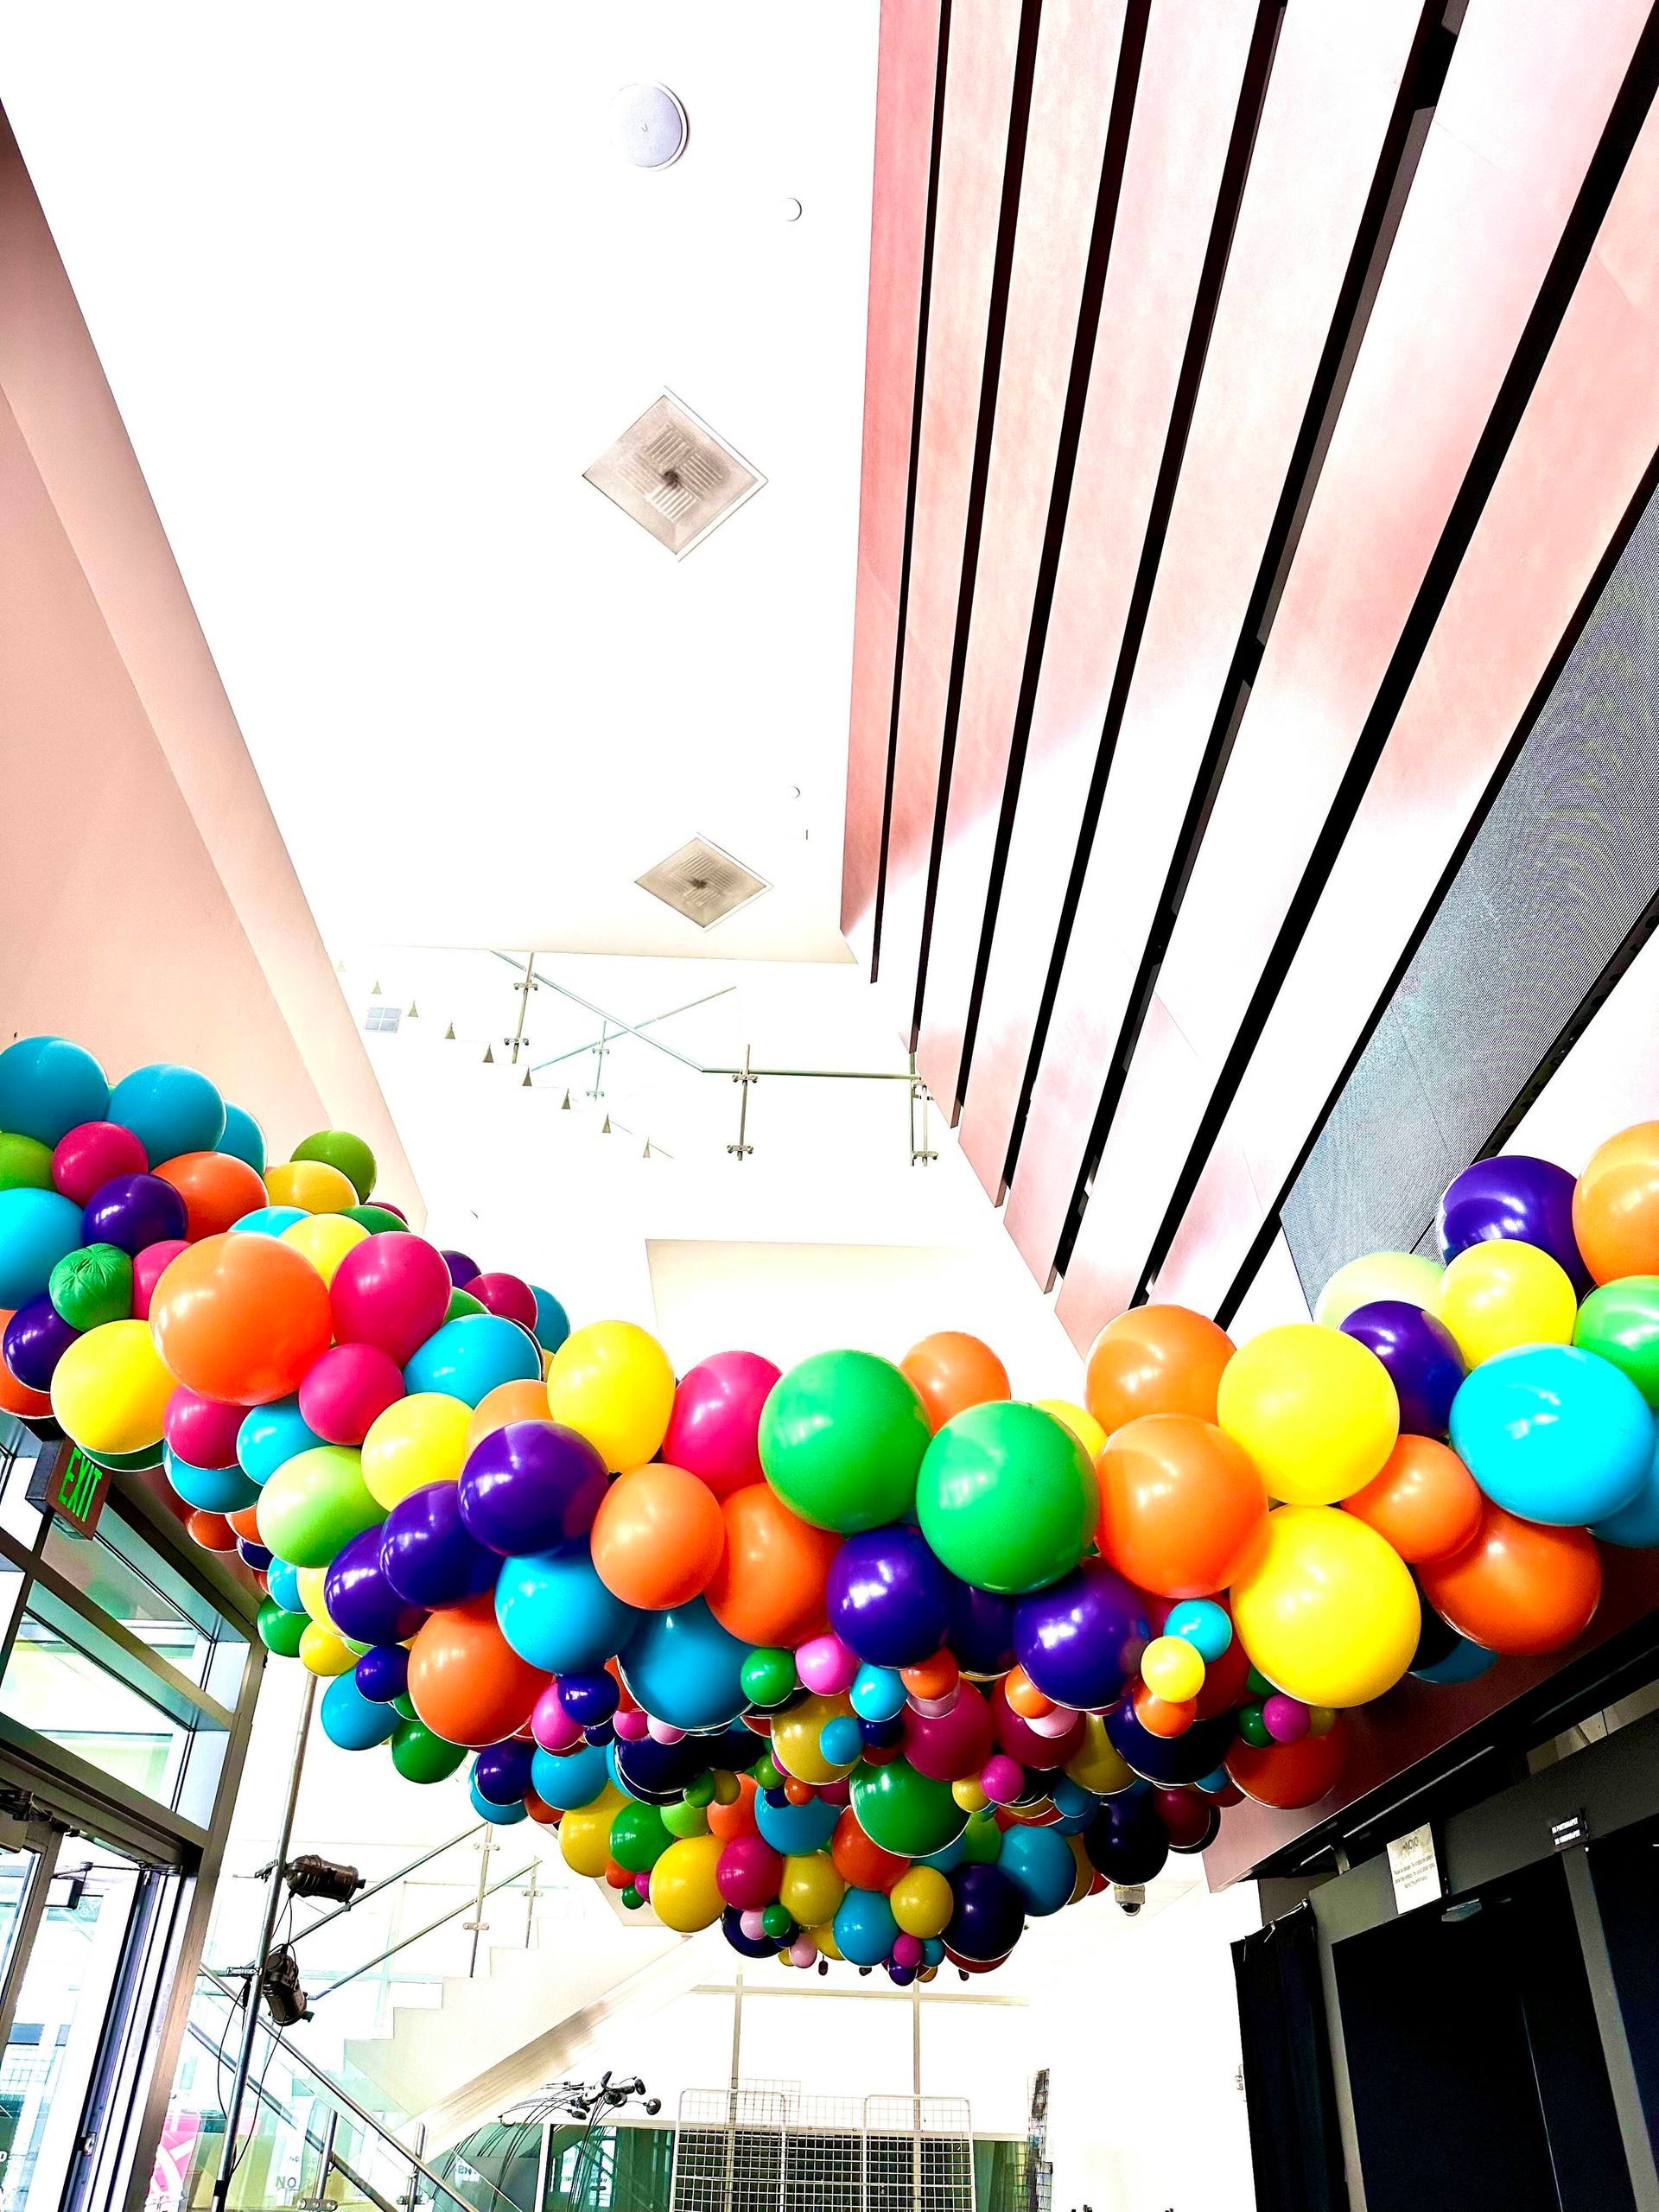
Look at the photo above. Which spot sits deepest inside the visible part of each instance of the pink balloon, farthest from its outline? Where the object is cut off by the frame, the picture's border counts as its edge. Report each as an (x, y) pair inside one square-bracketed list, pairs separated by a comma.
[(391, 1291), (348, 1390), (549, 1724), (151, 1264), (1286, 1719), (753, 1925), (748, 1873), (1060, 1722), (642, 1884), (825, 1665), (664, 1731), (802, 1952), (508, 1295), (907, 1951), (202, 1431), (1001, 1778), (630, 1724), (90, 1155), (713, 1427), (1030, 1745), (950, 1747)]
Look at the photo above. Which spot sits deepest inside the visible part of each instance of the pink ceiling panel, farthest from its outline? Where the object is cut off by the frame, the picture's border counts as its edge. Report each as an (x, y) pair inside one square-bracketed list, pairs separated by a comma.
[(1529, 89)]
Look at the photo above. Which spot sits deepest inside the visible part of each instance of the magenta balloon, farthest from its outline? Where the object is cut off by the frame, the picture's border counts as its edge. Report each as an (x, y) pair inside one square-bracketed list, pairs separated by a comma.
[(950, 1747), (713, 1429), (348, 1390), (510, 1296), (392, 1291), (748, 1873), (202, 1431), (1022, 1742)]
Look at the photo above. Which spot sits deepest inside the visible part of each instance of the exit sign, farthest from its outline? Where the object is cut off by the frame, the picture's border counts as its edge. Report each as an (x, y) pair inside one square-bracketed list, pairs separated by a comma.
[(76, 1489)]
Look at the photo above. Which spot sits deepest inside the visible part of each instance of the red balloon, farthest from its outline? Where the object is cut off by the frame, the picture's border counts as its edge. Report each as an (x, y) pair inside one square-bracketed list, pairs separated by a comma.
[(466, 1681), (1288, 1776), (950, 1746), (1517, 1587), (510, 1296), (217, 1188), (212, 1531), (392, 1291), (860, 1863), (1190, 1818), (714, 1425), (94, 1154), (202, 1431), (147, 1268), (1022, 1742)]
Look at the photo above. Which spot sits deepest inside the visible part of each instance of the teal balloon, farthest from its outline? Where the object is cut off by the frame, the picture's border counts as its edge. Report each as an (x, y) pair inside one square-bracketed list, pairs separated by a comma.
[(796, 1830), (683, 1666), (243, 1138), (269, 1221), (37, 1229), (1038, 1862), (353, 1722), (1204, 1624), (499, 1816), (953, 1855), (47, 1087), (169, 1109), (282, 1580), (865, 1929), (270, 1436), (878, 1693), (841, 1740), (570, 1781), (932, 1951), (1554, 1434), (1635, 1524), (555, 1614), (210, 1490), (552, 1322), (470, 1357)]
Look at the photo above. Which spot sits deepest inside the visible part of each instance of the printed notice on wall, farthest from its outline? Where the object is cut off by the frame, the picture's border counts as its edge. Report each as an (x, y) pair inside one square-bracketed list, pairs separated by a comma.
[(1415, 1869)]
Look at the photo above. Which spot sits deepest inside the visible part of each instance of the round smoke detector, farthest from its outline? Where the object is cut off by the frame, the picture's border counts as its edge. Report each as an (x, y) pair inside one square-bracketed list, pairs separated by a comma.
[(651, 125)]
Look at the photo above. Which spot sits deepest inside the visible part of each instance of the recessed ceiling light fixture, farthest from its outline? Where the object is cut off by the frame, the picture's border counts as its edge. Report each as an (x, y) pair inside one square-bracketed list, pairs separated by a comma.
[(703, 883), (675, 476), (652, 127)]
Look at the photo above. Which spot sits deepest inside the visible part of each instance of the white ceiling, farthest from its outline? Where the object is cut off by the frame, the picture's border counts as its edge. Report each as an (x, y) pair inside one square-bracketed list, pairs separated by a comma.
[(372, 286)]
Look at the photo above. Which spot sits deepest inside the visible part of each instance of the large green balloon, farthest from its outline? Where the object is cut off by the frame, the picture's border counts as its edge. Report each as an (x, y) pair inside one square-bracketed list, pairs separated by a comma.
[(340, 1148), (419, 1755), (841, 1438), (25, 1163), (682, 1820), (379, 1221), (639, 1836), (1620, 1322), (280, 1630), (905, 1812), (315, 1503), (1007, 1498), (982, 1840), (93, 1285)]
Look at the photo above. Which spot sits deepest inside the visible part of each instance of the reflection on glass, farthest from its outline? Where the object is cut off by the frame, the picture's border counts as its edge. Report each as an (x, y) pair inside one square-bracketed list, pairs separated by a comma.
[(68, 1697), (16, 1872)]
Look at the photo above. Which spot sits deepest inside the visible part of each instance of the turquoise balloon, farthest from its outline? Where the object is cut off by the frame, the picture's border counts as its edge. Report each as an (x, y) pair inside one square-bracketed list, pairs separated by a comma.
[(499, 1816), (37, 1229), (878, 1693), (1554, 1434), (932, 1952), (865, 1929), (270, 1436), (1204, 1624), (269, 1221), (572, 1781), (796, 1830), (684, 1668), (841, 1740), (1467, 1662), (552, 1322), (47, 1087), (470, 1357), (210, 1490), (242, 1139), (352, 1721), (1038, 1862), (953, 1855), (169, 1109), (1635, 1524), (282, 1580), (555, 1614)]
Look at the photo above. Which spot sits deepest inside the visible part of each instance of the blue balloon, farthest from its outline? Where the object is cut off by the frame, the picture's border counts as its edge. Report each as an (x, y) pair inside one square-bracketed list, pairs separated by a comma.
[(383, 1673), (1465, 1663), (47, 1087), (932, 1951), (569, 1780), (210, 1490), (282, 1578), (796, 1830), (865, 1929), (556, 1613), (878, 1693), (253, 1556), (839, 1741), (169, 1109), (270, 1436), (501, 1771), (1038, 1862), (468, 1357), (499, 1816), (683, 1666), (552, 1322), (35, 1235), (1635, 1524), (1204, 1624), (1554, 1434), (354, 1722), (748, 1946), (269, 1221), (1076, 1806), (953, 1855), (243, 1138)]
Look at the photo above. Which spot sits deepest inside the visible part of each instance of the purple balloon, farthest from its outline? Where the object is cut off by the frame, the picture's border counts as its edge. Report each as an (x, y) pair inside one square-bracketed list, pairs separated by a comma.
[(382, 1673), (747, 1947), (1170, 1761), (461, 1269), (133, 1211), (889, 1598), (988, 1917), (981, 1630), (530, 1486), (1081, 1639), (36, 1338), (589, 1699), (1421, 1356), (501, 1771), (253, 1556), (1126, 1842), (361, 1602), (428, 1556), (1513, 1196)]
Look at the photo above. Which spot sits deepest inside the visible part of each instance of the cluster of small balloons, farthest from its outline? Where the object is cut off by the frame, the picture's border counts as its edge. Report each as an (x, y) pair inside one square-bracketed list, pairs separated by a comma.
[(864, 1661)]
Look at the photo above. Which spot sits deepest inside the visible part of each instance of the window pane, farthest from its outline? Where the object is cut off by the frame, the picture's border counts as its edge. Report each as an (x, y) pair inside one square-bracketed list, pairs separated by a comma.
[(61, 1693), (116, 1588)]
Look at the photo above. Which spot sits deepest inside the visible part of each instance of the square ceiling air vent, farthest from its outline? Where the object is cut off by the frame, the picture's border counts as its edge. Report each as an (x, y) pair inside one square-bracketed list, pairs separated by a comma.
[(672, 474), (703, 883)]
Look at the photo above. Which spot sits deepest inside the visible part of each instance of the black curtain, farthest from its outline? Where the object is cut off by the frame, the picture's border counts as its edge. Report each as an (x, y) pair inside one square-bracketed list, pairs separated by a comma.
[(1296, 2145)]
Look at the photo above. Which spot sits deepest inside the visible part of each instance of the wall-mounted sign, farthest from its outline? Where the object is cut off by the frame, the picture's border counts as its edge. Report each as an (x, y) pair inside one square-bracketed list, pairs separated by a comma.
[(76, 1489), (1570, 1828), (1415, 1869)]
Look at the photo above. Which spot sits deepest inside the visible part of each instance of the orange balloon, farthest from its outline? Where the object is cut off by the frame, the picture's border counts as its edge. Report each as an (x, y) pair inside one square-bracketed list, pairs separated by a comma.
[(1155, 1359), (951, 1371), (737, 1818), (465, 1680), (860, 1863), (1023, 1694), (217, 1188), (1289, 1775), (799, 1793), (1425, 1503), (212, 1531), (657, 1537), (246, 1522), (1616, 1205), (934, 1677), (1179, 1503), (241, 1318), (540, 1811), (508, 1402), (1518, 1587), (768, 1586), (16, 1398), (1162, 1716)]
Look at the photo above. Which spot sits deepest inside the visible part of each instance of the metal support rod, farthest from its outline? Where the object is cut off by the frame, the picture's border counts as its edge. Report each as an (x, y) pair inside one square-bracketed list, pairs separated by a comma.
[(598, 1091), (525, 989), (529, 1911), (387, 1880), (576, 1051), (326, 2156), (731, 2094), (416, 2169), (477, 1923), (916, 2096), (403, 1943), (742, 1148), (267, 1930), (919, 1155)]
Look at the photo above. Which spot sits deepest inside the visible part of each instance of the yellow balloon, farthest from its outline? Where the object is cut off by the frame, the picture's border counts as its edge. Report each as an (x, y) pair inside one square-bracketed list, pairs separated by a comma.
[(1314, 1409), (728, 1791), (824, 1938), (1171, 1669), (309, 1580), (921, 1901), (1098, 1766), (1085, 1880), (1081, 1422), (1326, 1609), (418, 1439), (323, 1651), (585, 1834), (110, 1389), (1406, 1277), (684, 1894), (613, 1383), (795, 1739), (311, 1184), (810, 1889), (325, 1239), (969, 1795), (1500, 1294)]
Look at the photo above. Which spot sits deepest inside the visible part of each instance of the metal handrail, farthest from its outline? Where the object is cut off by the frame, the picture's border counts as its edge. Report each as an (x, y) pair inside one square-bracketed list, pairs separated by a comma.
[(466, 1904), (386, 1882)]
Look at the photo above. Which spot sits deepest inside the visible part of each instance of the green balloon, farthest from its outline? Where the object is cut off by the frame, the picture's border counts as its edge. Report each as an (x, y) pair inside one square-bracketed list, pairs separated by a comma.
[(379, 1221), (1007, 1498), (639, 1836), (778, 1921), (632, 1898), (25, 1163), (684, 1820), (462, 1301), (766, 1773), (148, 1455), (905, 1812), (404, 1706), (1252, 1728), (1258, 1685), (982, 1840), (315, 1503), (769, 1676), (841, 1438), (419, 1755), (1620, 1323), (701, 1793), (279, 1630), (93, 1285), (340, 1148)]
